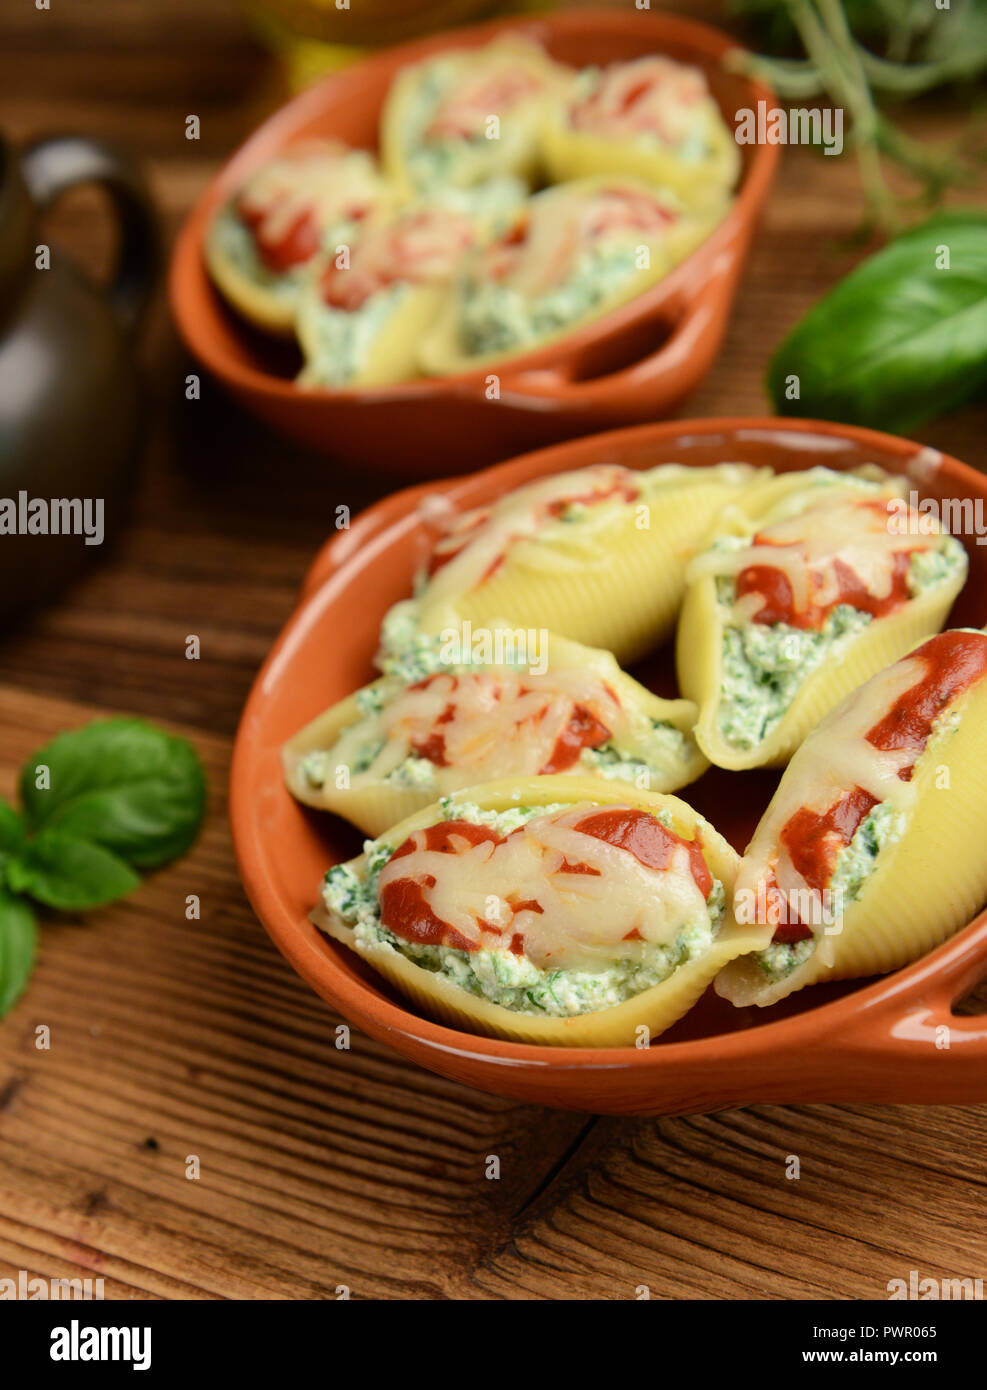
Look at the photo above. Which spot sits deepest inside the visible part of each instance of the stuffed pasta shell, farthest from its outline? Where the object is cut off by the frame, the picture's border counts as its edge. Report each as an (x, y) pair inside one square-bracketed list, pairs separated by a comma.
[(262, 242), (651, 118), (597, 555), (871, 851), (807, 586), (361, 317), (466, 116), (445, 720), (550, 910), (571, 254)]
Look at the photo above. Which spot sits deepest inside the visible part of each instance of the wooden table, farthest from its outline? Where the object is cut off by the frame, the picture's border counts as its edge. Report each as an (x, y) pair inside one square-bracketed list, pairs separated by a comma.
[(320, 1168)]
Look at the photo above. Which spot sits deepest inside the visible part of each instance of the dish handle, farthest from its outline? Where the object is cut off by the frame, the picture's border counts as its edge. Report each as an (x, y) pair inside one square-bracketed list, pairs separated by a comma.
[(914, 1025), (655, 384), (53, 165)]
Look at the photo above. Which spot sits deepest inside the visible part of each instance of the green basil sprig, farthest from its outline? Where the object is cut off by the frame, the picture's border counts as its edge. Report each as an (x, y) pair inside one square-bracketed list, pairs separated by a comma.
[(99, 803), (901, 339)]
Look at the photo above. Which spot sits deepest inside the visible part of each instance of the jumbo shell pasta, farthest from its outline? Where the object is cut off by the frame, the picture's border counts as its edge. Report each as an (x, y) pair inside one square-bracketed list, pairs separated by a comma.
[(597, 555), (570, 255), (826, 562), (462, 117), (696, 854), (450, 724), (363, 313), (650, 118), (260, 245), (883, 808)]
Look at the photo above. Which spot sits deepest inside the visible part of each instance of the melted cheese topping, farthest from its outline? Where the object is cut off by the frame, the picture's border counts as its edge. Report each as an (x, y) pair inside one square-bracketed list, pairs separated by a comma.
[(477, 541), (500, 79), (805, 547), (547, 242), (585, 917), (422, 246), (492, 723), (652, 95), (463, 109), (320, 177)]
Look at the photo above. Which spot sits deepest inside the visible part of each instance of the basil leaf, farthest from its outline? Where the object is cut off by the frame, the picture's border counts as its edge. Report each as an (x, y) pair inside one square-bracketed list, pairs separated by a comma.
[(12, 834), (70, 874), (122, 784), (18, 944), (898, 340)]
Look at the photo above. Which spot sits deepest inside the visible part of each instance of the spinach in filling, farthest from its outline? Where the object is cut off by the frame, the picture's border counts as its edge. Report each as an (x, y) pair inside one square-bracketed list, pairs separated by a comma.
[(882, 827), (500, 976), (343, 341), (670, 747), (764, 665), (409, 656), (499, 318)]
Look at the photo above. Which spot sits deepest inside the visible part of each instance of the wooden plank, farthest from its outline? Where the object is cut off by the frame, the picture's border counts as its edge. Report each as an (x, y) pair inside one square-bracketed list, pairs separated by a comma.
[(702, 1207)]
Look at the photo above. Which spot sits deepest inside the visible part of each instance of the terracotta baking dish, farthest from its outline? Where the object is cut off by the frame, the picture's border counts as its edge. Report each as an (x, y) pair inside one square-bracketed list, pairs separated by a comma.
[(637, 363), (870, 1041)]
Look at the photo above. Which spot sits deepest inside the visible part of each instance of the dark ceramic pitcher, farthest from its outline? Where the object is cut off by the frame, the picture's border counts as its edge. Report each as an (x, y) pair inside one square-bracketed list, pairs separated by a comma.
[(68, 376)]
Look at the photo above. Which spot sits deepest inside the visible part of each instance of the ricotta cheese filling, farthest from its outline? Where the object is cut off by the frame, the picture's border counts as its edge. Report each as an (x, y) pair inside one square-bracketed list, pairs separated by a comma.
[(849, 794), (340, 343), (448, 118), (584, 923), (855, 864), (501, 318), (458, 725), (764, 665), (561, 259), (351, 302)]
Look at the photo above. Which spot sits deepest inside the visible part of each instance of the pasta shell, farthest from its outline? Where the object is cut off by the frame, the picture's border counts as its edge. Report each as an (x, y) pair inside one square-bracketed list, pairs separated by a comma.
[(269, 298), (374, 802), (613, 579), (923, 887), (857, 656), (268, 305), (399, 274), (405, 141), (655, 1009), (573, 153), (552, 215), (392, 349)]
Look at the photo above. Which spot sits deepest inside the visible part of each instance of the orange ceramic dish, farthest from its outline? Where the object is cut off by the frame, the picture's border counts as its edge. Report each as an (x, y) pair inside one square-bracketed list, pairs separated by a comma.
[(877, 1041), (635, 363)]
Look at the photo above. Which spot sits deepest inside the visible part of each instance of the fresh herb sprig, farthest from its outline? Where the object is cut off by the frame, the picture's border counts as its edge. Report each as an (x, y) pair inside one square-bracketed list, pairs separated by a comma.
[(99, 803), (923, 48)]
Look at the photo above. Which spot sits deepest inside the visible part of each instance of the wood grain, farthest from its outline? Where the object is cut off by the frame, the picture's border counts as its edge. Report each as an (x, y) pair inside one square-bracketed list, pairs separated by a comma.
[(323, 1167)]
